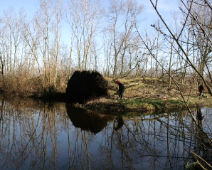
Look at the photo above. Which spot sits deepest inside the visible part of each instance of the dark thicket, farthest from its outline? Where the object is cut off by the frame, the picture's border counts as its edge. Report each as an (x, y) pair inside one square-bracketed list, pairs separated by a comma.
[(84, 86)]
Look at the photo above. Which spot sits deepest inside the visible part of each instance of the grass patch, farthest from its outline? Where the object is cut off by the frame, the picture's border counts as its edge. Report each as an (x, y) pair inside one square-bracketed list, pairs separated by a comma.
[(151, 104), (148, 94)]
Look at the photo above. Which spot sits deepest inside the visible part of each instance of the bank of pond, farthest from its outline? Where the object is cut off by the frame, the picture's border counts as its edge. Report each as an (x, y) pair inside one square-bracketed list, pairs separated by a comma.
[(111, 105)]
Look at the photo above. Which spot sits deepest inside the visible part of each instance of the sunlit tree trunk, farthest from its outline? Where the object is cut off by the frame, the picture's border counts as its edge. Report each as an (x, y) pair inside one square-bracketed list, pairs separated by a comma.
[(58, 21), (130, 11), (170, 64), (84, 19)]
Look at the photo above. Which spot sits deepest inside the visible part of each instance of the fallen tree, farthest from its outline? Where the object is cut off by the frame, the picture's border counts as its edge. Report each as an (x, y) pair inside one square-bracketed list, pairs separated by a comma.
[(85, 86)]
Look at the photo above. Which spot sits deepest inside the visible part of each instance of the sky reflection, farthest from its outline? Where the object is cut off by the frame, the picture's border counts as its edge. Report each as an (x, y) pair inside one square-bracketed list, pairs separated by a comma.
[(42, 136)]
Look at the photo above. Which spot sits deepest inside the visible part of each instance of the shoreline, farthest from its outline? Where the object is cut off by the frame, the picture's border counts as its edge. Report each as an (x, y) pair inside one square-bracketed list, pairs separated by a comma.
[(117, 106), (141, 104)]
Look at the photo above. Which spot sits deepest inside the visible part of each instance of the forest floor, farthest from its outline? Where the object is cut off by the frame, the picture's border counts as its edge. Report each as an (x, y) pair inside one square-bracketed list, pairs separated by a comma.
[(148, 95)]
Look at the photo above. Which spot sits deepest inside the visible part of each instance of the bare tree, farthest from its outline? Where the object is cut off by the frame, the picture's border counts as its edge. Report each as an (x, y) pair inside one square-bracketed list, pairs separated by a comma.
[(48, 23), (57, 34), (122, 14), (43, 23), (196, 23), (84, 18), (176, 38)]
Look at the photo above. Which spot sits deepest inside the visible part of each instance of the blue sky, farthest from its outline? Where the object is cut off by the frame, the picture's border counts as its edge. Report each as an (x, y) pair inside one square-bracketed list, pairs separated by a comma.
[(164, 6), (149, 15), (28, 5)]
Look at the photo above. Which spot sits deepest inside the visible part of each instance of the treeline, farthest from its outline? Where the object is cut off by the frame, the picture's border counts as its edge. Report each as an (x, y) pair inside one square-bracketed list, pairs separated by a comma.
[(102, 36)]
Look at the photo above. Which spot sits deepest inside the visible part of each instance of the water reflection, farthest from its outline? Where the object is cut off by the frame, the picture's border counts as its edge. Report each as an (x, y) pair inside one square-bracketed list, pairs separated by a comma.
[(36, 135), (203, 139), (120, 122), (89, 121)]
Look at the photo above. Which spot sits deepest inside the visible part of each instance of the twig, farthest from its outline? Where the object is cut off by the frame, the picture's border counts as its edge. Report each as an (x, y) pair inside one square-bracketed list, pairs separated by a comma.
[(186, 55), (201, 159)]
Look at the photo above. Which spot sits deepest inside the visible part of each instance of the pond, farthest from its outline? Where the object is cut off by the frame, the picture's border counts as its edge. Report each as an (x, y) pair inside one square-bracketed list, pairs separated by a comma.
[(38, 135)]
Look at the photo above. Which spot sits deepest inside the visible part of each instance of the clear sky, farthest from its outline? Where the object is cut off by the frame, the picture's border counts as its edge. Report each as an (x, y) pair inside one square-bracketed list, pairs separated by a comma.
[(149, 15), (29, 6), (164, 6)]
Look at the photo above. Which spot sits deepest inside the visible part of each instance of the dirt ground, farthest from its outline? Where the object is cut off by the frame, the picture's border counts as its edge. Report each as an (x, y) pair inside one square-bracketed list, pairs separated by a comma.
[(151, 89)]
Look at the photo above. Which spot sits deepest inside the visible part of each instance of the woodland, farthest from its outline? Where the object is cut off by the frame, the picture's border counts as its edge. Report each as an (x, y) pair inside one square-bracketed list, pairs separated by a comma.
[(109, 38)]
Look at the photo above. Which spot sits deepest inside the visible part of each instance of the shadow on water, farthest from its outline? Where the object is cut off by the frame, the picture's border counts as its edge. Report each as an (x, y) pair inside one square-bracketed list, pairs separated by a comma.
[(37, 135), (89, 121), (120, 122)]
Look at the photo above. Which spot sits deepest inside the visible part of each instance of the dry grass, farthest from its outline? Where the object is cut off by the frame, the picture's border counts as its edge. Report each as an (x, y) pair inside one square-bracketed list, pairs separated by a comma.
[(140, 93), (102, 100), (149, 94)]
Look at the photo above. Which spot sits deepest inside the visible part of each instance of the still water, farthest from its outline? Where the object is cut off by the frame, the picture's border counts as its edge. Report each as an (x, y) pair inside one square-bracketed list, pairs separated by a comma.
[(37, 135)]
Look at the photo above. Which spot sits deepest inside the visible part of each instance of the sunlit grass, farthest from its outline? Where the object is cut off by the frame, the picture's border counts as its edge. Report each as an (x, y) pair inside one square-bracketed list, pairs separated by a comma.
[(150, 104), (154, 94)]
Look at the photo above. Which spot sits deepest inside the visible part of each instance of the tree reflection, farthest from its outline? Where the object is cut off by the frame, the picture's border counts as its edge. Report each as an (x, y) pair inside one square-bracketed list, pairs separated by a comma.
[(28, 133), (203, 141), (120, 122), (164, 141), (57, 136), (89, 121)]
